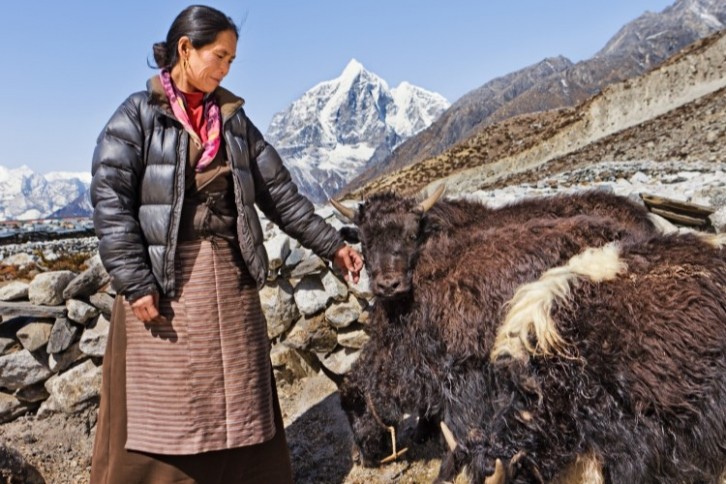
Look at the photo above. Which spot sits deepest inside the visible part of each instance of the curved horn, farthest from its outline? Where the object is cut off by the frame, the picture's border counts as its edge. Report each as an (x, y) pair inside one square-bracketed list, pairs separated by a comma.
[(429, 202), (499, 475), (349, 213), (448, 436)]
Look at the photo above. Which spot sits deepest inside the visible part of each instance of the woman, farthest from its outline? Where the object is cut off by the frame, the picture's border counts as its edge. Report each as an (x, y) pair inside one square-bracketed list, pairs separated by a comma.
[(188, 393)]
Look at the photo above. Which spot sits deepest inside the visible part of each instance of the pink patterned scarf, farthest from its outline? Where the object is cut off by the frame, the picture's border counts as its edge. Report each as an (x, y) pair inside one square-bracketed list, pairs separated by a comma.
[(212, 115)]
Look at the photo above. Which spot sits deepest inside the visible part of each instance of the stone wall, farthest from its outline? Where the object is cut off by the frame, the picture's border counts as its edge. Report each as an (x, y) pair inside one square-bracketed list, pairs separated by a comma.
[(55, 326)]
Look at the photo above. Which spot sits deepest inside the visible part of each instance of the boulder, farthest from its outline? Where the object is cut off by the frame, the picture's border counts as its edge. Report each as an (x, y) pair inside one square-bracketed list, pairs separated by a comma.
[(81, 312), (278, 304), (77, 388), (14, 290), (62, 335), (312, 334), (47, 288), (89, 281), (343, 314), (310, 295), (93, 339), (35, 335), (21, 369)]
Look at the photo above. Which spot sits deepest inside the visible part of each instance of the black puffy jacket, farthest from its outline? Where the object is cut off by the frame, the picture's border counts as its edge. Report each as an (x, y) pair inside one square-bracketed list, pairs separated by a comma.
[(138, 188)]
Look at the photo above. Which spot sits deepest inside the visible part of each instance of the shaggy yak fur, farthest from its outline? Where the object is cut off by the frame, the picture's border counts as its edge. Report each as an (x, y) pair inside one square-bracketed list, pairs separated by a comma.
[(636, 382), (441, 278), (394, 230)]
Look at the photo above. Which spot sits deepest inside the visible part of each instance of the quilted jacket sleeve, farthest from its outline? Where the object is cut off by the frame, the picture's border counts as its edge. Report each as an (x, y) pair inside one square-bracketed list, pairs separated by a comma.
[(278, 197), (117, 171)]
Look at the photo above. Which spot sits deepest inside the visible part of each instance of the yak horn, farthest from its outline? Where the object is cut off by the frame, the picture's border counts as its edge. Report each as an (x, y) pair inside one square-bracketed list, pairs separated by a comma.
[(448, 436), (499, 476), (349, 213), (429, 202)]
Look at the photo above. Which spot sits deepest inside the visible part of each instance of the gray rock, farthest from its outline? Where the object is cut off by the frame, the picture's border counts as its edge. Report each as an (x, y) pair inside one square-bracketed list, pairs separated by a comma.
[(312, 334), (279, 307), (311, 265), (34, 336), (718, 220), (340, 361), (93, 339), (310, 295), (61, 361), (296, 256), (21, 369), (47, 288), (62, 335), (343, 314), (278, 248), (10, 409), (289, 364), (33, 393), (362, 289), (104, 302), (353, 337), (81, 312), (48, 407), (89, 281), (14, 290), (8, 345), (77, 388), (334, 287)]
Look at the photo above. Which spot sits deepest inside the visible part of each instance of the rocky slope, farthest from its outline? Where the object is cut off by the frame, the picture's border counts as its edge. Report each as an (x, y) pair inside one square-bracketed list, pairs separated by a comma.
[(637, 47), (674, 112)]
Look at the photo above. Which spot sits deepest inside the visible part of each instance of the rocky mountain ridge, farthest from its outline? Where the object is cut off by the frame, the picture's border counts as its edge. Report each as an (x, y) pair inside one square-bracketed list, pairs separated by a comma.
[(25, 195), (340, 126), (637, 47), (678, 106)]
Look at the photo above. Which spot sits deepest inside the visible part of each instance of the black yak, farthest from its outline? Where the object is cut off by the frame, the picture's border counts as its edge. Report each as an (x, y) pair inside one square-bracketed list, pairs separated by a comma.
[(615, 361), (395, 229), (441, 283)]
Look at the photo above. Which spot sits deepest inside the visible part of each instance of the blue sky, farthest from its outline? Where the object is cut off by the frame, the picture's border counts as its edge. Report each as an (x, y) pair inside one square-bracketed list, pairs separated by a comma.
[(66, 65)]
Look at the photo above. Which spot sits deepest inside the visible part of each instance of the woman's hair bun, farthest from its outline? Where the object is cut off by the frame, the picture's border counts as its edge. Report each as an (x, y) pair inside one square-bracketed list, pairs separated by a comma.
[(161, 54)]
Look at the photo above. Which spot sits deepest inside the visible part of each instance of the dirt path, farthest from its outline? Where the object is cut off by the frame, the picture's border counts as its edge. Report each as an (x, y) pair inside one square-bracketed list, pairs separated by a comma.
[(318, 435)]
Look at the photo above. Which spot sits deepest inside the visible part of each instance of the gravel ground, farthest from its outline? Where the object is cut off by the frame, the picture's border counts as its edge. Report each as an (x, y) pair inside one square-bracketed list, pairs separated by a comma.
[(318, 435)]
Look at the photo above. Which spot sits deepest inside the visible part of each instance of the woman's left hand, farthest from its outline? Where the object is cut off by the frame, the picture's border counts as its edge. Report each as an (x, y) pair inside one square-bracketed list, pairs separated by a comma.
[(349, 261)]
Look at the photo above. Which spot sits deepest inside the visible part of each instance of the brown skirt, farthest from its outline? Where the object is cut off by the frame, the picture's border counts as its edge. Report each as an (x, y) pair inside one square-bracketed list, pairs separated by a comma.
[(113, 460)]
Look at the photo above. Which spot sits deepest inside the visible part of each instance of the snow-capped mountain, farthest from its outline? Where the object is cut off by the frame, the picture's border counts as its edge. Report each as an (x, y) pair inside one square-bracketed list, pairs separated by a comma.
[(25, 195), (556, 82), (339, 126)]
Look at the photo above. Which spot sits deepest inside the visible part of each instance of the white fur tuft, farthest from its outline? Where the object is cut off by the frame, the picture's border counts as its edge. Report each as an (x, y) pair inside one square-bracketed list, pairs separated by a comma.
[(531, 307)]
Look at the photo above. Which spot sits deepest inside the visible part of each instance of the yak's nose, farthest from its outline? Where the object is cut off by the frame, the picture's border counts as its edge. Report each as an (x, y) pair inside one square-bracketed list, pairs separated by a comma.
[(388, 283)]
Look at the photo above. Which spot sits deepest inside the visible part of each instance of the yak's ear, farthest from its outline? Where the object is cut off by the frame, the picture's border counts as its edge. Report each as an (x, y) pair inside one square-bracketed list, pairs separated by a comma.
[(431, 223), (350, 234)]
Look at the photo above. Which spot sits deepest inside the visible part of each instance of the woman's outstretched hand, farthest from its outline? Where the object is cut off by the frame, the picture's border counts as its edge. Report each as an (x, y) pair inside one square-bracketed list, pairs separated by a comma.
[(349, 261)]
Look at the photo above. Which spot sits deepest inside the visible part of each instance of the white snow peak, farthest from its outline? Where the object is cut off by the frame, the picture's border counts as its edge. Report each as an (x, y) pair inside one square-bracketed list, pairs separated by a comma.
[(339, 126), (26, 195)]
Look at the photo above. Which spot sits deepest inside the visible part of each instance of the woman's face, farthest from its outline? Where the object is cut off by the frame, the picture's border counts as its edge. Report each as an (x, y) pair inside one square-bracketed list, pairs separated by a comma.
[(207, 66)]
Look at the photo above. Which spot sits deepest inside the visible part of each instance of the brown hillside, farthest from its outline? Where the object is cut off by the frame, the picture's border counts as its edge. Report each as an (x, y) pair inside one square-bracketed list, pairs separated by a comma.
[(674, 112)]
